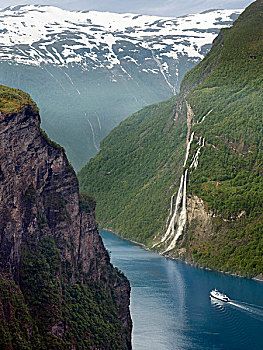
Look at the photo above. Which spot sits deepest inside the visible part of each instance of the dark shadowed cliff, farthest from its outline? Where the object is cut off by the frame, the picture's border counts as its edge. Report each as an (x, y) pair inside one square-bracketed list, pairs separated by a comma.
[(58, 288)]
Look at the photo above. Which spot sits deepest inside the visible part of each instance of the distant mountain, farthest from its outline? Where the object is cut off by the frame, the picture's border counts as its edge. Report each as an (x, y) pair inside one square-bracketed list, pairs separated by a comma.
[(87, 71), (185, 176)]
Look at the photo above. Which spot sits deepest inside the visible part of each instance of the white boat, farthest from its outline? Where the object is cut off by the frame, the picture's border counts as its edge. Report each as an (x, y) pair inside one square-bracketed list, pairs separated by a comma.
[(220, 296)]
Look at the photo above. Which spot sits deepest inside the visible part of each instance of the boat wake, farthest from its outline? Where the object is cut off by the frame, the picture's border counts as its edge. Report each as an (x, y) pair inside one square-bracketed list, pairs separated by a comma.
[(252, 309), (255, 311)]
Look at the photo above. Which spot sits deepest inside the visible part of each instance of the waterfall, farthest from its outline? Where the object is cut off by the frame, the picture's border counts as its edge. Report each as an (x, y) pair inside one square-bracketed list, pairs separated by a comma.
[(178, 217), (72, 82), (188, 148), (203, 118), (181, 220), (201, 144), (181, 184), (170, 230), (93, 133)]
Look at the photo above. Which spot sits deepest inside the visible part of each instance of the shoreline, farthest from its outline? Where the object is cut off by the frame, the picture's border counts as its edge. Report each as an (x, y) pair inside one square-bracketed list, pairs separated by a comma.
[(258, 278)]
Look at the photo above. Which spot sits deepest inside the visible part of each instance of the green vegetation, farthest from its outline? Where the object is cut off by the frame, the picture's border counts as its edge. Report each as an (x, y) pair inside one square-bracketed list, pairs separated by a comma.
[(86, 203), (229, 177), (91, 311), (237, 249), (14, 100), (85, 314), (138, 167), (136, 171), (17, 328)]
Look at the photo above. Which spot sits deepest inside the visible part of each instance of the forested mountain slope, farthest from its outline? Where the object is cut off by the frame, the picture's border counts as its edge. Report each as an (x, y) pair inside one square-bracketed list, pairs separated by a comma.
[(215, 217), (137, 169)]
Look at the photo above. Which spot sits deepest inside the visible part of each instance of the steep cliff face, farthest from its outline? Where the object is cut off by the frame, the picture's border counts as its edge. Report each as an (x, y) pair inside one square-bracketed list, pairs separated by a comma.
[(51, 251)]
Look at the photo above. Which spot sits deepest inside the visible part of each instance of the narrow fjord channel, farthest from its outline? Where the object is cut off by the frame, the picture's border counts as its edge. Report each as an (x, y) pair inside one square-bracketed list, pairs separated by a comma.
[(171, 308)]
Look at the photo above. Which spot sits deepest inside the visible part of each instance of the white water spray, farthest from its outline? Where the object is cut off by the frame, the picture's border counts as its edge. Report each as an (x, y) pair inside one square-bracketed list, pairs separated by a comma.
[(178, 217), (171, 228), (181, 221)]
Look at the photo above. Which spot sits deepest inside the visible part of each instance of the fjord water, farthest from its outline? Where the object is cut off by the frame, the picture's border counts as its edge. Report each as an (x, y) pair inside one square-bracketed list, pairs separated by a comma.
[(171, 308)]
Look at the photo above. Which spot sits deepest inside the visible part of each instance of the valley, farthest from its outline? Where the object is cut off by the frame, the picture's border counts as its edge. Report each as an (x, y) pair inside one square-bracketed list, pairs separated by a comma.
[(89, 70)]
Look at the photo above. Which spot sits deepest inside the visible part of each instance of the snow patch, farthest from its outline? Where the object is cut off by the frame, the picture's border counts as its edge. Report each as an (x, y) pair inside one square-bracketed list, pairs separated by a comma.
[(94, 35)]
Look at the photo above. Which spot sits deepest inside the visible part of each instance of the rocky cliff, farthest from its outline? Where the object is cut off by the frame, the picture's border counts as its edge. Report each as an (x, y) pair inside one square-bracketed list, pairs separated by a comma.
[(54, 268)]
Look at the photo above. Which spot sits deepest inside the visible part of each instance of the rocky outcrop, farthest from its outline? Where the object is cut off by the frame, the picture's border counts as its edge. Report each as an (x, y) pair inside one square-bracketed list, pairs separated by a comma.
[(199, 219), (40, 201)]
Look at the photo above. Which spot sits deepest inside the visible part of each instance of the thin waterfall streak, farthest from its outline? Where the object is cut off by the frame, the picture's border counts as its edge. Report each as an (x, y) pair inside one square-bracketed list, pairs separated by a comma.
[(170, 229), (171, 209), (201, 144), (93, 134), (54, 78), (171, 204), (72, 82), (99, 122), (188, 148), (162, 72), (207, 114)]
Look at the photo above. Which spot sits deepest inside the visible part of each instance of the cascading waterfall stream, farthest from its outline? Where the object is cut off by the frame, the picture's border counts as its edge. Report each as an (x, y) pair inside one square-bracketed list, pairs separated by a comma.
[(204, 117), (176, 220), (201, 143), (170, 229), (188, 148), (179, 195), (181, 221)]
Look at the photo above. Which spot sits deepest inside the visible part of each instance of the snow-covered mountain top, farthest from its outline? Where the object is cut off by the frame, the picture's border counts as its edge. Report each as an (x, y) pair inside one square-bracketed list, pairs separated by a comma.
[(31, 29)]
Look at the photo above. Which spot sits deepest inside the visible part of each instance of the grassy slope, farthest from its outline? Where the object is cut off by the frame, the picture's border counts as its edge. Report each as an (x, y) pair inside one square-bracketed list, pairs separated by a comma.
[(136, 171), (13, 100)]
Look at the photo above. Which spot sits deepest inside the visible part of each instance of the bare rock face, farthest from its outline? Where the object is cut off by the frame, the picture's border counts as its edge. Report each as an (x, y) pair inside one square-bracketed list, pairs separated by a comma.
[(199, 220), (39, 199)]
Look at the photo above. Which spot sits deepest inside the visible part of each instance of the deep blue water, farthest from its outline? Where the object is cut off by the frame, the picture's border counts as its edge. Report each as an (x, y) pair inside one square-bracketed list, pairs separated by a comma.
[(171, 308)]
